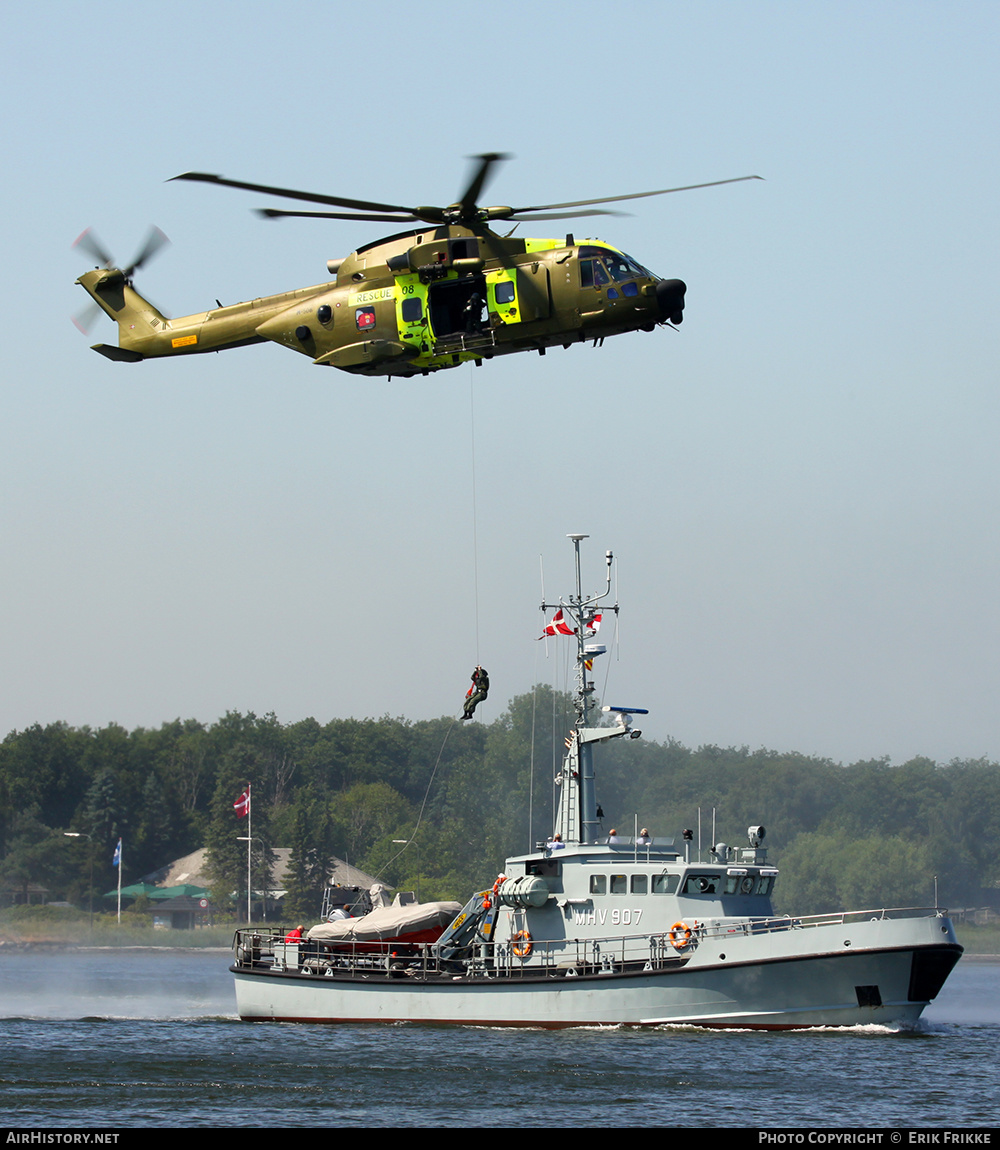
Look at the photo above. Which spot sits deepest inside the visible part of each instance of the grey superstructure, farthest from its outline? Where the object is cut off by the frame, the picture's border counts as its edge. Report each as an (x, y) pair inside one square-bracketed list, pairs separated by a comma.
[(592, 929)]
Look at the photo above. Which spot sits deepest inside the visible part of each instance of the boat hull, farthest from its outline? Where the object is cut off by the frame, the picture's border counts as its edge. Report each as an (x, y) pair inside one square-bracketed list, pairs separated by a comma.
[(775, 982)]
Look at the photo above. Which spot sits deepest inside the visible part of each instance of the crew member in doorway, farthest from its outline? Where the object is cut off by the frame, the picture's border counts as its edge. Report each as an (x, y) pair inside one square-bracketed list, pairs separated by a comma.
[(474, 313), (477, 692)]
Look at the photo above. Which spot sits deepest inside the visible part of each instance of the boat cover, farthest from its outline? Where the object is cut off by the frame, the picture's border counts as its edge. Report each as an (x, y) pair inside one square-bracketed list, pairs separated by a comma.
[(388, 923)]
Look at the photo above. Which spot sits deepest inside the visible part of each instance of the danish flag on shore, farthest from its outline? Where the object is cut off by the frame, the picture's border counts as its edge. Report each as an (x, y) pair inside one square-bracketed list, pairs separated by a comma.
[(242, 804)]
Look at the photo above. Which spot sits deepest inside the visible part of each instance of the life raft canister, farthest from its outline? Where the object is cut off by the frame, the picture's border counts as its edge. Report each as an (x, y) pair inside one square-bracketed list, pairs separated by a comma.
[(680, 935), (521, 944)]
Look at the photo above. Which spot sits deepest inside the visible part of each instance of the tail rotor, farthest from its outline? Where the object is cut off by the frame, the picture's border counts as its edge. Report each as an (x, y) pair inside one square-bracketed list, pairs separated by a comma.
[(88, 242)]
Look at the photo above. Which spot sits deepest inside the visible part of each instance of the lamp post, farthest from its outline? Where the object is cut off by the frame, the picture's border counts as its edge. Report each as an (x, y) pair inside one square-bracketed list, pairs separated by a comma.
[(84, 835)]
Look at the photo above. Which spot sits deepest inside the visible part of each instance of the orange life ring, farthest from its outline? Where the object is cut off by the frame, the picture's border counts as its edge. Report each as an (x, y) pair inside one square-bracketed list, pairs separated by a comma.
[(521, 944), (679, 935)]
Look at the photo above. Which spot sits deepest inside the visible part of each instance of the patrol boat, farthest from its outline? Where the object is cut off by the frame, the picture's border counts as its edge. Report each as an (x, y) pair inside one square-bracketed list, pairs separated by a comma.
[(590, 929)]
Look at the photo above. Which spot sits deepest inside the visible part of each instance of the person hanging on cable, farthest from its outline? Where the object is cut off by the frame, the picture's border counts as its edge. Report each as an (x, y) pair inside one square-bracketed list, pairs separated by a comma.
[(477, 692)]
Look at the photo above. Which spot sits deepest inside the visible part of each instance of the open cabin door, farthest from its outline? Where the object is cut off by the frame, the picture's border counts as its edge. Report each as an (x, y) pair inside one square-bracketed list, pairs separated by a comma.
[(518, 294)]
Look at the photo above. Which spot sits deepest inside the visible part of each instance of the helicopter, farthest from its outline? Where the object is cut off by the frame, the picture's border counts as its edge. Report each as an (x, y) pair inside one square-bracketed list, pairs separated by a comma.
[(447, 290)]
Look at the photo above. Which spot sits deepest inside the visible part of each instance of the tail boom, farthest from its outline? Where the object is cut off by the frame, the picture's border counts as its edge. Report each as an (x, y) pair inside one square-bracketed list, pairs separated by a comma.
[(145, 333)]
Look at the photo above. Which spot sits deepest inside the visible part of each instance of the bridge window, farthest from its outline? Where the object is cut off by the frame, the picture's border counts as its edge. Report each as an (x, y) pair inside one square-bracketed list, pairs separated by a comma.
[(664, 883), (619, 884), (702, 884), (598, 884), (640, 884)]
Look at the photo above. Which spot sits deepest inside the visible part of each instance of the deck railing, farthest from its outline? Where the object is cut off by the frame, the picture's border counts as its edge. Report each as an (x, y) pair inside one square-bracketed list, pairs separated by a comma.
[(267, 951)]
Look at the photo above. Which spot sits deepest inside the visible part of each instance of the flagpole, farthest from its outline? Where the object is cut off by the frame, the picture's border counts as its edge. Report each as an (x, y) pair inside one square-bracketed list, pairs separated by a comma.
[(118, 856), (249, 847), (242, 808)]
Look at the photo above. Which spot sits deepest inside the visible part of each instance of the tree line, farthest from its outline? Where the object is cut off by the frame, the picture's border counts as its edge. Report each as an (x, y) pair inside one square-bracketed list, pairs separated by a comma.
[(437, 805)]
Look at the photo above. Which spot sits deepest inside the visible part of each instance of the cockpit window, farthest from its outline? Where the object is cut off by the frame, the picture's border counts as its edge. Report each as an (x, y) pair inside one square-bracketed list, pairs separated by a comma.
[(593, 273), (638, 269), (619, 267)]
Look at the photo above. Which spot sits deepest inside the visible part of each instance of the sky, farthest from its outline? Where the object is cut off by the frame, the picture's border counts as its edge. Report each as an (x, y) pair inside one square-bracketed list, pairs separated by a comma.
[(801, 485)]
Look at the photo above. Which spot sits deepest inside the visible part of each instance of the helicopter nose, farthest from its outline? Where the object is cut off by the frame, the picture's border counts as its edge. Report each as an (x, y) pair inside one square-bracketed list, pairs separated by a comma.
[(670, 298)]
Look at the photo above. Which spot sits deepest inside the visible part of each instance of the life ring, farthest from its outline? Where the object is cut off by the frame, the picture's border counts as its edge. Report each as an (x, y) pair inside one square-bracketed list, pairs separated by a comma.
[(521, 944), (679, 935)]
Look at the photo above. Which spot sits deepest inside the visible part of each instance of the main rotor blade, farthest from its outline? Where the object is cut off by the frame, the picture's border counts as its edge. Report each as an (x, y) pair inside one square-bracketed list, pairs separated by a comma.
[(470, 197), (288, 193), (634, 195), (559, 215), (278, 213)]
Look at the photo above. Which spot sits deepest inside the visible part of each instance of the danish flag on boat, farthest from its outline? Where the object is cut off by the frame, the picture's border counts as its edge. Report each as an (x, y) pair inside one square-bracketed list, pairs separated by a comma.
[(558, 626)]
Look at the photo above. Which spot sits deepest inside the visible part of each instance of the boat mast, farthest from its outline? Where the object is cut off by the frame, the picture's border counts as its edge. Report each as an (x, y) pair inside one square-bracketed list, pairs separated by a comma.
[(576, 816)]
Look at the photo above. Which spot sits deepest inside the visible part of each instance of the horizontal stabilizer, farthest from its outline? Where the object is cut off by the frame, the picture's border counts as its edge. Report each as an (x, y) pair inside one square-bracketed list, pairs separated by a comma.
[(122, 354)]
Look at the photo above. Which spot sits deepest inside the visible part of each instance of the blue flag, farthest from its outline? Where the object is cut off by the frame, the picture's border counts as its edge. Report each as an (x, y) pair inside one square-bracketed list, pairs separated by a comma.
[(117, 860)]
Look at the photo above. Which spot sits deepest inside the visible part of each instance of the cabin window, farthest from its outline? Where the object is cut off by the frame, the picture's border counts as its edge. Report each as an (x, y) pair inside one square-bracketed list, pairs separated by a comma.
[(640, 884), (664, 883), (598, 884), (364, 317), (505, 292), (412, 309), (619, 884)]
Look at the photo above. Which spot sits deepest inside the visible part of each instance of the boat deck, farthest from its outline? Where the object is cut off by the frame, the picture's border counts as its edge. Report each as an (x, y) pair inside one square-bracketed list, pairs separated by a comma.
[(266, 953)]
